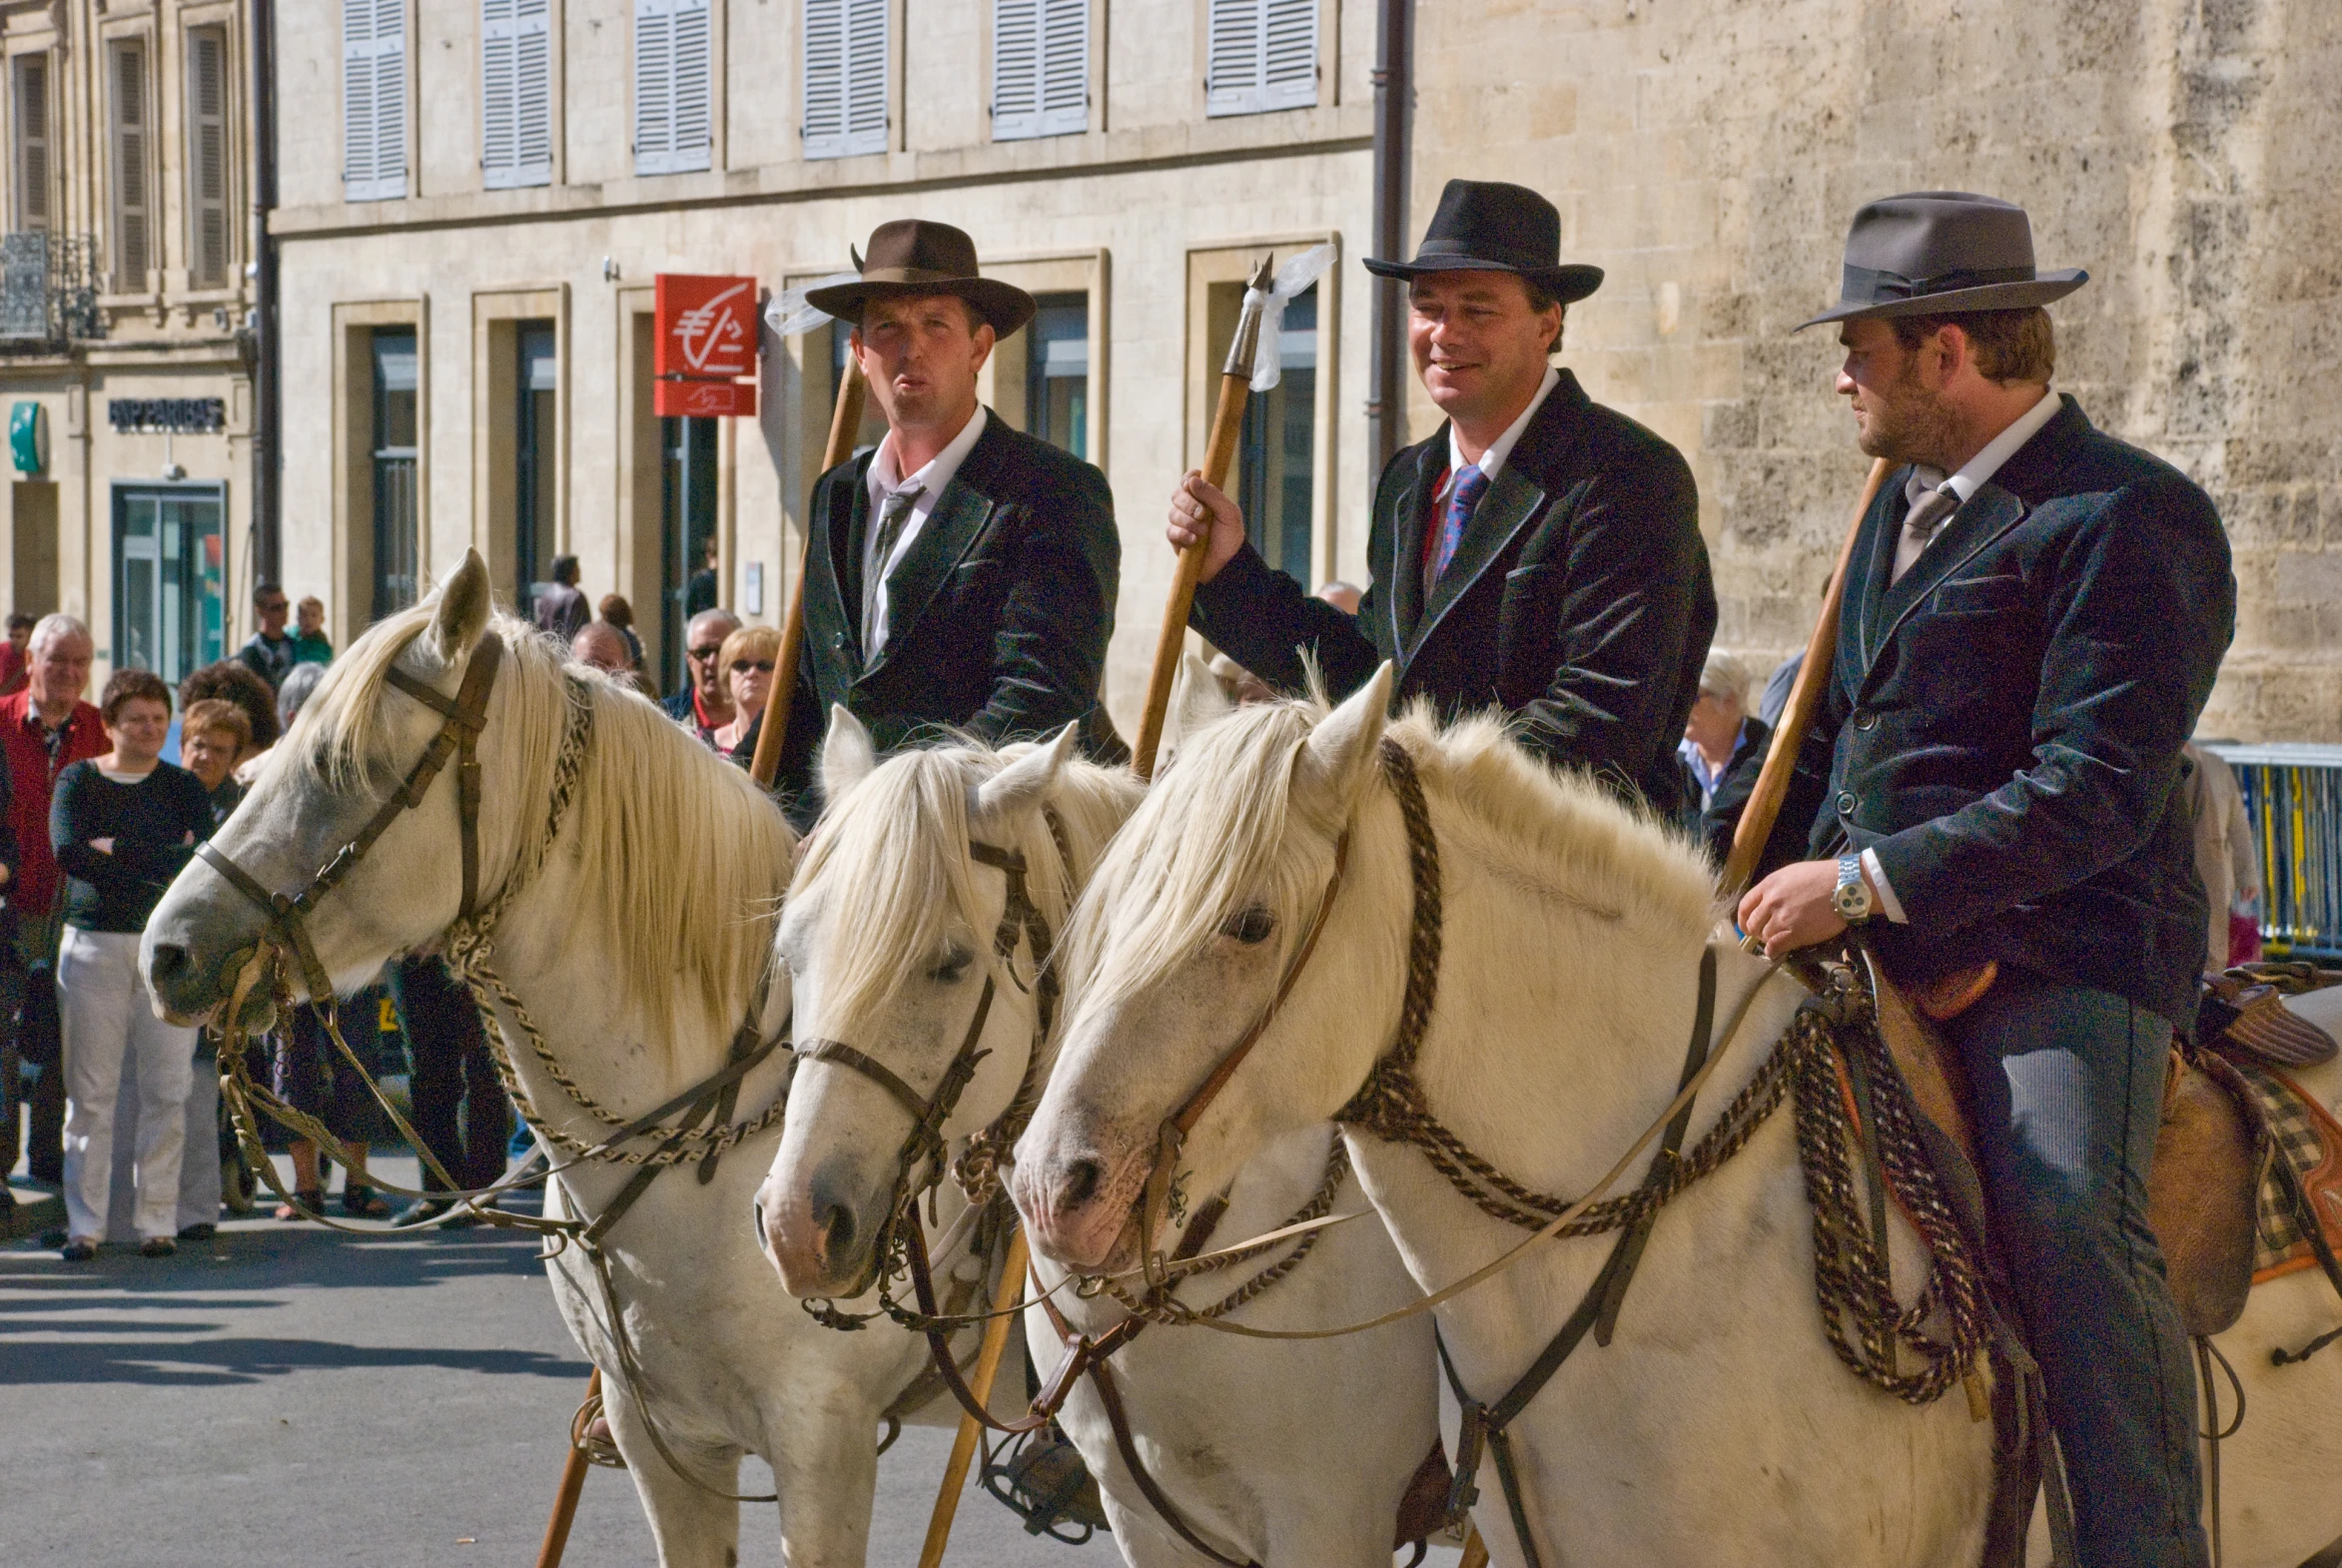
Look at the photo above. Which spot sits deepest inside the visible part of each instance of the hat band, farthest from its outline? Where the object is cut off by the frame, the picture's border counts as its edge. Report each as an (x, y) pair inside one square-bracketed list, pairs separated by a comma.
[(1466, 248), (1877, 284), (912, 274)]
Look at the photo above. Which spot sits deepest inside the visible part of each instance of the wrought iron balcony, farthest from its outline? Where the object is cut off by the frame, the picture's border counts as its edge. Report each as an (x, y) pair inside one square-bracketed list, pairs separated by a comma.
[(48, 290)]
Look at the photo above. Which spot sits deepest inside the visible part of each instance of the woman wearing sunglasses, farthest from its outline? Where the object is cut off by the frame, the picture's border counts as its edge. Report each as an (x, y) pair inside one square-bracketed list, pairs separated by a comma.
[(747, 665)]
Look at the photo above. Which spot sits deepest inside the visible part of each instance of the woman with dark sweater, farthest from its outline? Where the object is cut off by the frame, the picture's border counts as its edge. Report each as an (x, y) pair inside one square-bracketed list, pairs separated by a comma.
[(123, 825)]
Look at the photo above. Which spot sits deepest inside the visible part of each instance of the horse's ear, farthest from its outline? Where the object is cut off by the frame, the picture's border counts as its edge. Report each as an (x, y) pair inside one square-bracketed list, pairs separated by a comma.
[(1202, 697), (847, 755), (1026, 781), (463, 612), (1339, 755)]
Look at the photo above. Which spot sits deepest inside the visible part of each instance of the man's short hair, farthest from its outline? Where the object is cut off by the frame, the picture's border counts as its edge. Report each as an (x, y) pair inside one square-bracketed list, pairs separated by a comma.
[(260, 591), (2009, 346), (565, 568), (218, 716), (52, 627), (1725, 675), (1541, 299), (231, 681), (721, 616), (126, 687), (20, 622)]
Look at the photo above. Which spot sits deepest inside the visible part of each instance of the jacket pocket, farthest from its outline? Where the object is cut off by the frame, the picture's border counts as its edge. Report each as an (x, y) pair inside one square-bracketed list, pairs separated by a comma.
[(1972, 596)]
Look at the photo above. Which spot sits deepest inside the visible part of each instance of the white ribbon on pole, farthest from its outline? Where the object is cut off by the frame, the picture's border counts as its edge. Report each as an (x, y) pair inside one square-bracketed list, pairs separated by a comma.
[(790, 317), (1292, 279)]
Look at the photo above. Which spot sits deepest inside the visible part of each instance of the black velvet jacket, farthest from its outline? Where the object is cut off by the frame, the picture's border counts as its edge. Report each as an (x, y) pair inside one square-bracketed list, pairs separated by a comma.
[(1578, 602), (2003, 724), (998, 614)]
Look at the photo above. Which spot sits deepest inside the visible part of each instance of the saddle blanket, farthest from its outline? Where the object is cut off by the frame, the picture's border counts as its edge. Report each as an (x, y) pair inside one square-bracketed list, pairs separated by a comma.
[(2305, 1134)]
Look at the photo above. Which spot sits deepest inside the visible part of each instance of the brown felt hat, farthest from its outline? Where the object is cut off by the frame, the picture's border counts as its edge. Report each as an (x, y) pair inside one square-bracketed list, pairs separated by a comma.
[(911, 257)]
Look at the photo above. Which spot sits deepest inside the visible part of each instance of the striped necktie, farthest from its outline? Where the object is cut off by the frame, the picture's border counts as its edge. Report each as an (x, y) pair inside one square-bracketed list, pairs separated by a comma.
[(893, 513), (1470, 485)]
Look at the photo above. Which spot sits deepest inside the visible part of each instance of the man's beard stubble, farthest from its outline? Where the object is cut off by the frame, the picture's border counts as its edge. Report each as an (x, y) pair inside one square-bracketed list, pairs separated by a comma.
[(1910, 424)]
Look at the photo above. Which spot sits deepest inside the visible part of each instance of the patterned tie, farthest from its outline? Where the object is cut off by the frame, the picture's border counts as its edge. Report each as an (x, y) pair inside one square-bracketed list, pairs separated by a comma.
[(893, 513), (1470, 485), (1931, 503)]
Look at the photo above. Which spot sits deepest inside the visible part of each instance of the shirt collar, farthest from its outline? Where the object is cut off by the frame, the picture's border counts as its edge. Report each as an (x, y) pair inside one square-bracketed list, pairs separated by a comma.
[(935, 477), (1978, 470), (1501, 449)]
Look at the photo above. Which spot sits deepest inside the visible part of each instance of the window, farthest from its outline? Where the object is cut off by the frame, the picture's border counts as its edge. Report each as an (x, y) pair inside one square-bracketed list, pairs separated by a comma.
[(1263, 56), (1057, 375), (125, 70), (845, 77), (515, 93), (1039, 68), (1276, 469), (31, 165), (536, 459), (397, 389), (168, 578), (373, 100), (672, 120), (207, 157)]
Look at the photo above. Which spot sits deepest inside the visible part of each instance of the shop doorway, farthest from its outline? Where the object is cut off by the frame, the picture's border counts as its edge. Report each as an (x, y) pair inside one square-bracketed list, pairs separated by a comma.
[(688, 536), (169, 578)]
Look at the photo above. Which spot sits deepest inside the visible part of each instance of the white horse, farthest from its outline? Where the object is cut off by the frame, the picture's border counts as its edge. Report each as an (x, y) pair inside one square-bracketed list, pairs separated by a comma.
[(1717, 1427), (638, 948), (1271, 1453)]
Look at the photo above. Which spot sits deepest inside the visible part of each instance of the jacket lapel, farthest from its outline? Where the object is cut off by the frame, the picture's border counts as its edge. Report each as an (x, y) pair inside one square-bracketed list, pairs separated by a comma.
[(1406, 531), (1988, 514), (1874, 568), (959, 516)]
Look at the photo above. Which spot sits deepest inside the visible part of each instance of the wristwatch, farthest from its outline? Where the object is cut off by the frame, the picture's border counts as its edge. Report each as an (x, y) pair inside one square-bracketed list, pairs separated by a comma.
[(1852, 898)]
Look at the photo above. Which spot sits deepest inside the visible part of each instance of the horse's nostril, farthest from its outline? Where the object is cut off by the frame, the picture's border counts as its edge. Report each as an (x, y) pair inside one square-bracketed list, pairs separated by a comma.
[(1078, 1183), (763, 1235)]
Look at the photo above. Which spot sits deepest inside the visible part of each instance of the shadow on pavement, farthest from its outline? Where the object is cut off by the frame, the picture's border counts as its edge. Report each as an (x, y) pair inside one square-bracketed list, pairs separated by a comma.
[(216, 1363)]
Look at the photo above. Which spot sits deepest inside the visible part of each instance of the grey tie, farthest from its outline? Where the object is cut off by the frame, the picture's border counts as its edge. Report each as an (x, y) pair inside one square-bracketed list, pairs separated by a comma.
[(893, 513), (1920, 524)]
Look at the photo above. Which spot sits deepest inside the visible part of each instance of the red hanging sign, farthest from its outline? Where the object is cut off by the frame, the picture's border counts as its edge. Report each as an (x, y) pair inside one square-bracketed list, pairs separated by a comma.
[(705, 339)]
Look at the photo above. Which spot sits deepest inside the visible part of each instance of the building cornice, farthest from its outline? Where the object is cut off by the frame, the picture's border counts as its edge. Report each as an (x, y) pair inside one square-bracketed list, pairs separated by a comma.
[(1346, 128)]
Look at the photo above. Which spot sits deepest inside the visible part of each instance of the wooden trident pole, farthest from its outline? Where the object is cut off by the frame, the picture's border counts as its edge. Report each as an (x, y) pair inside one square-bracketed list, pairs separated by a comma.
[(1219, 455), (1804, 696)]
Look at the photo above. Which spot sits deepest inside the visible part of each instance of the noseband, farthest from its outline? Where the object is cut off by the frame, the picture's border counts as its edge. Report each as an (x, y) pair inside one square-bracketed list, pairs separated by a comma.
[(458, 737)]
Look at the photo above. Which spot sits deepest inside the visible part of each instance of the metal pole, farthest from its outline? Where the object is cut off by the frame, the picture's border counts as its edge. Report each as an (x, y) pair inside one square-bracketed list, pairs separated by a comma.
[(268, 390), (1386, 415)]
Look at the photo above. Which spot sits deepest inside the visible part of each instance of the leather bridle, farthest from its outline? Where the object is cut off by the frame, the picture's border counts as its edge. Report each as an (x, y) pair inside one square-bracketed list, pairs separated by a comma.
[(465, 716)]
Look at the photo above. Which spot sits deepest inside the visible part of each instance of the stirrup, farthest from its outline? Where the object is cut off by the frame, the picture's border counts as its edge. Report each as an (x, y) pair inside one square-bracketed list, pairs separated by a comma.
[(1043, 1481)]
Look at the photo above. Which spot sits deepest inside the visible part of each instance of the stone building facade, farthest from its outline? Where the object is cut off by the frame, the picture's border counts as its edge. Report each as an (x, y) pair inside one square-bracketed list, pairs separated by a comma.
[(467, 287), (1709, 153), (125, 375)]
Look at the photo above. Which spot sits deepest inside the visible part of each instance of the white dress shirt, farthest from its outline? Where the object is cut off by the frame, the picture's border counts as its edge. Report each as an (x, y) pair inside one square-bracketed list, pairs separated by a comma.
[(1498, 450), (1972, 477), (930, 482)]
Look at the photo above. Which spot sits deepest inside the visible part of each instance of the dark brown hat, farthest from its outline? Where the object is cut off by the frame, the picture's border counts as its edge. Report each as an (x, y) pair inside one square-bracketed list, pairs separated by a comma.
[(911, 257), (1940, 253), (1485, 225)]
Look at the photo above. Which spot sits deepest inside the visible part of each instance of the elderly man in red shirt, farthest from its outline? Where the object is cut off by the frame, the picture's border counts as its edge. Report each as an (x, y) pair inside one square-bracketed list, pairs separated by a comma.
[(44, 729)]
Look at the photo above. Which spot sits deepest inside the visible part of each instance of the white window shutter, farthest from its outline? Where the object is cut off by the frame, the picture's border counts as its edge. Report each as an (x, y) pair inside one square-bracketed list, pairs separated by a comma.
[(1288, 48), (373, 100), (1064, 67), (1263, 56), (1016, 69), (515, 67), (845, 77), (672, 76)]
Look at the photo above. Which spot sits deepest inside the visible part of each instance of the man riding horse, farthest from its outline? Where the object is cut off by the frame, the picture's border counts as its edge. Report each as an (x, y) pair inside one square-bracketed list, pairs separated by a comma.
[(2033, 616)]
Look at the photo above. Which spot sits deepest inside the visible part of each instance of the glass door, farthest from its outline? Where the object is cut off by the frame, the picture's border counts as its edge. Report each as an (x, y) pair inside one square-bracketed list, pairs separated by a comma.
[(169, 572), (398, 564), (537, 451), (687, 535)]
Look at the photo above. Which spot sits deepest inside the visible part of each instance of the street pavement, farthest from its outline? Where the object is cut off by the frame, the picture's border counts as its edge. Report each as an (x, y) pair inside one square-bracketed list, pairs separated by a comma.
[(287, 1394)]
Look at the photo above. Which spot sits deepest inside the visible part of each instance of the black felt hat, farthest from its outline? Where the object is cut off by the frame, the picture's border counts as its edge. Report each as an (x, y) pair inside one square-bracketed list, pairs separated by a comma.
[(911, 257), (1933, 252), (1485, 225)]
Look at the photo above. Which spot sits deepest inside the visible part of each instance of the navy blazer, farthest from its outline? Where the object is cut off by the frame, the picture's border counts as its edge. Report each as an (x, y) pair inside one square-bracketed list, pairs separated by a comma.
[(1578, 602), (998, 614), (2003, 724)]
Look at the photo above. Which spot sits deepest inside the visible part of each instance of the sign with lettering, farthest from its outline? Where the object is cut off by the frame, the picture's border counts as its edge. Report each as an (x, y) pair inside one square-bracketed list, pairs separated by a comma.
[(706, 332), (178, 416)]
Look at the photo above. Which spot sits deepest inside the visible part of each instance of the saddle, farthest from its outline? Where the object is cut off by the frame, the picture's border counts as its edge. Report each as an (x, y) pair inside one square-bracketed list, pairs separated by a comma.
[(2218, 1201)]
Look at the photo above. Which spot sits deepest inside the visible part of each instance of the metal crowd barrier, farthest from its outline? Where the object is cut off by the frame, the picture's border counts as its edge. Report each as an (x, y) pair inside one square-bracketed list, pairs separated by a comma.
[(2293, 794)]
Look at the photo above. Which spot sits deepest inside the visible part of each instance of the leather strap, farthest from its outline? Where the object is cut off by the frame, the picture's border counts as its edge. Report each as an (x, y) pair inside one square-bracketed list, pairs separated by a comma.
[(1109, 1394), (1638, 1234)]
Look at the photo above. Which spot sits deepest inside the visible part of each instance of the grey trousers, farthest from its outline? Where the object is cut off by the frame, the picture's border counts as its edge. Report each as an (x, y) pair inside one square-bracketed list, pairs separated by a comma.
[(2066, 1087)]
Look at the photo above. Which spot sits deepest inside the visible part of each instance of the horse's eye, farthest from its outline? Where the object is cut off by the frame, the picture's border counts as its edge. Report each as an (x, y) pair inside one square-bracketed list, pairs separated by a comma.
[(1250, 925), (954, 968)]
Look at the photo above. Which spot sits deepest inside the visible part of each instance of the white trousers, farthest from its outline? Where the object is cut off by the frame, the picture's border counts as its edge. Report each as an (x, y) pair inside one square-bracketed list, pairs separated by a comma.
[(108, 1015), (199, 1167)]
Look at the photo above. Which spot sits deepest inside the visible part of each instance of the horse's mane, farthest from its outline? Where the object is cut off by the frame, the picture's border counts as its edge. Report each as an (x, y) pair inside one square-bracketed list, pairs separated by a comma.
[(898, 843), (1213, 833), (680, 863)]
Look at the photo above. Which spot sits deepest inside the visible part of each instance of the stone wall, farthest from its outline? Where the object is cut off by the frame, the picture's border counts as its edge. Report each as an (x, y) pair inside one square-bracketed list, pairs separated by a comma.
[(1709, 154)]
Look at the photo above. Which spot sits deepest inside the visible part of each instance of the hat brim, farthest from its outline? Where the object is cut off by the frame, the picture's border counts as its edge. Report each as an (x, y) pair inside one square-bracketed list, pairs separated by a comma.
[(1566, 284), (1005, 306), (1956, 302)]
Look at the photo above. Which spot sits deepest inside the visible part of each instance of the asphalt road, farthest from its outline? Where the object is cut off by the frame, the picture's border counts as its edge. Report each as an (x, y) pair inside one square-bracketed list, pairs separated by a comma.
[(285, 1394)]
